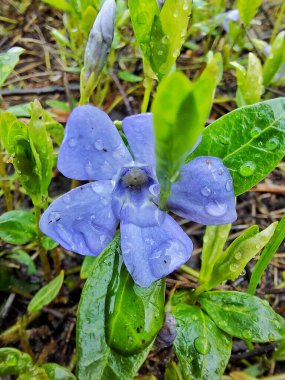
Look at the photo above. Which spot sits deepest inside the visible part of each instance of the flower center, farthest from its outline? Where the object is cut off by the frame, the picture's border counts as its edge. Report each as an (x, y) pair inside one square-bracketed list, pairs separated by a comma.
[(135, 178)]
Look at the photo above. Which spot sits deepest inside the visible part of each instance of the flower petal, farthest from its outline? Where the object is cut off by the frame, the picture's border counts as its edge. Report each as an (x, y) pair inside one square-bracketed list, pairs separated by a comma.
[(139, 132), (82, 219), (204, 193), (153, 244), (92, 147)]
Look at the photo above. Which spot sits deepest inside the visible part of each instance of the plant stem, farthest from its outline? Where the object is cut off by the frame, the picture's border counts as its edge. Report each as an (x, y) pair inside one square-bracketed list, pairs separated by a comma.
[(190, 271), (148, 83), (42, 250)]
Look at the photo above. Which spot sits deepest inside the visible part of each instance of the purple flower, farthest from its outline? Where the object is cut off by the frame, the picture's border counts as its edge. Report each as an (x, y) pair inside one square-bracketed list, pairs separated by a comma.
[(126, 189)]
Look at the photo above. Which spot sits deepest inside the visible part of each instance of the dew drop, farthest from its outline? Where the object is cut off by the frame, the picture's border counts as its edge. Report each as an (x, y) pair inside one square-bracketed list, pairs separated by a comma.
[(223, 324), (229, 185), (165, 39), (183, 33), (185, 6), (89, 169), (154, 189), (233, 267), (247, 169), (215, 208), (243, 272), (99, 144), (272, 143), (255, 132), (66, 198), (160, 52), (119, 152), (202, 345), (258, 246), (238, 255), (72, 142), (224, 140), (176, 53), (220, 171), (205, 191), (246, 334), (97, 187)]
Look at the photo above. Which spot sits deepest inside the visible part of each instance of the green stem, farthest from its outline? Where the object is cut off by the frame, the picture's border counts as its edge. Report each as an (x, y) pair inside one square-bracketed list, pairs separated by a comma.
[(5, 185), (148, 83), (190, 271), (42, 250)]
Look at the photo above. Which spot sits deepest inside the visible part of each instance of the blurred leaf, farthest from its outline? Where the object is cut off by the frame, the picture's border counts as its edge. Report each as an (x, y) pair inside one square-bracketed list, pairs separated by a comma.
[(24, 258), (202, 349), (232, 262), (8, 61), (57, 372), (237, 375), (279, 353), (172, 371), (63, 5), (214, 239), (134, 315), (129, 77), (267, 254), (35, 373), (249, 140), (57, 104), (96, 360), (17, 227), (247, 10), (48, 243), (46, 294), (275, 59), (243, 316), (13, 361), (20, 110), (87, 266), (6, 278), (249, 81)]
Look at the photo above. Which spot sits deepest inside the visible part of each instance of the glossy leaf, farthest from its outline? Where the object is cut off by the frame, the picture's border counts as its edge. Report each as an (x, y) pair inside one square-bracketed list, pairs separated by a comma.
[(247, 10), (13, 361), (202, 349), (232, 262), (249, 140), (214, 239), (267, 254), (46, 294), (87, 266), (96, 360), (243, 316), (8, 61), (24, 258), (249, 81), (17, 227), (172, 371), (57, 372), (275, 59), (134, 315)]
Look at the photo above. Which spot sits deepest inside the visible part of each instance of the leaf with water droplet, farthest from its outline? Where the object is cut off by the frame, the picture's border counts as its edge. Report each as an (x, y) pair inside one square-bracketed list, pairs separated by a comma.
[(246, 156), (8, 61), (246, 316), (201, 347)]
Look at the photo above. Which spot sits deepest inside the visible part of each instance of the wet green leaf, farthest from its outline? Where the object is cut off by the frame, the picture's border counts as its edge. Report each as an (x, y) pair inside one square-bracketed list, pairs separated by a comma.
[(17, 227), (57, 372), (46, 294), (13, 361), (48, 243), (232, 262), (275, 59), (134, 315), (8, 61), (214, 240), (172, 371), (249, 140), (202, 349), (243, 316), (247, 10), (24, 258), (96, 360), (249, 81), (87, 266)]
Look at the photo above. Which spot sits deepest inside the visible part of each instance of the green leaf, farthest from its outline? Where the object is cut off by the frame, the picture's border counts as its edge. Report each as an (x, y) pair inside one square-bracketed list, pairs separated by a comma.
[(243, 316), (35, 373), (232, 262), (63, 5), (24, 258), (279, 353), (8, 61), (249, 140), (129, 77), (48, 243), (267, 254), (175, 126), (57, 372), (13, 361), (20, 110), (172, 371), (46, 294), (87, 266), (214, 239), (275, 59), (202, 349), (125, 334), (249, 81), (247, 10), (17, 227), (96, 360)]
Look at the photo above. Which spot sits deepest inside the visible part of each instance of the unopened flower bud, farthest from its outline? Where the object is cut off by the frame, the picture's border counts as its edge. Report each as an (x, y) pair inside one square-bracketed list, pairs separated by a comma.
[(100, 40), (168, 332)]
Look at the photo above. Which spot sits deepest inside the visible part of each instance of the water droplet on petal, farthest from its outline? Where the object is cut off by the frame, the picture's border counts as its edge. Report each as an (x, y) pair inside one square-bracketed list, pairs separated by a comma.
[(247, 169), (205, 191), (66, 198), (119, 152), (97, 187), (229, 185), (202, 345), (272, 143), (154, 189), (72, 142), (220, 171), (99, 144), (215, 208), (89, 169)]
